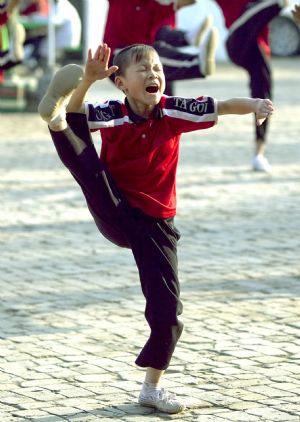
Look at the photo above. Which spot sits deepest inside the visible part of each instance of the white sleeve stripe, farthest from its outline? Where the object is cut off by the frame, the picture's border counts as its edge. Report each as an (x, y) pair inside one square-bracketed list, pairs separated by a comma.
[(105, 104), (208, 117), (179, 63), (109, 123), (250, 13)]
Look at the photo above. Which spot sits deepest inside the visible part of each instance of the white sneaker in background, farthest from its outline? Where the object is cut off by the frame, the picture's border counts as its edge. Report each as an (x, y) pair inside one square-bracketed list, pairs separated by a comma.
[(207, 54), (260, 163), (196, 34)]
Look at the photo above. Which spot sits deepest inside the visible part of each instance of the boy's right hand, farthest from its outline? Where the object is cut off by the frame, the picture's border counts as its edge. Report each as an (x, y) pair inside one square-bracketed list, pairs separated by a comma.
[(263, 108), (96, 67)]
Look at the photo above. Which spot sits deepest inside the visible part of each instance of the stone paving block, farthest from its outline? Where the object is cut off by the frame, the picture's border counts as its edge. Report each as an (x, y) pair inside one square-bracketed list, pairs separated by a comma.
[(5, 409), (270, 414), (293, 387), (24, 415), (238, 416), (244, 405), (63, 411), (269, 391), (7, 418), (37, 393), (90, 418), (293, 409)]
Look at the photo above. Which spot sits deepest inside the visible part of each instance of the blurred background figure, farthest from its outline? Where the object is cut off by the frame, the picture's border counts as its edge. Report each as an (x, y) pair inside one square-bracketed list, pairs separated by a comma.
[(12, 37), (67, 24), (153, 22), (248, 46)]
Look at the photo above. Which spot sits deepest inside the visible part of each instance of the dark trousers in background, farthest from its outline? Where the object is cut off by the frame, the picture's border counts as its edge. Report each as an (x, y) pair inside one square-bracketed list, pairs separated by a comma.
[(244, 51), (153, 241), (177, 64)]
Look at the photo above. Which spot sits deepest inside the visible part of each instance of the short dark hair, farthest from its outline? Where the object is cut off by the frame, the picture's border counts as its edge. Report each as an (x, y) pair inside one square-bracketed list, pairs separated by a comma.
[(127, 55)]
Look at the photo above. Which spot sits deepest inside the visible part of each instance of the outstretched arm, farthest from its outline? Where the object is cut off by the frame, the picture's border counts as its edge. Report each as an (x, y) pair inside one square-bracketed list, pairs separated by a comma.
[(96, 69), (261, 107)]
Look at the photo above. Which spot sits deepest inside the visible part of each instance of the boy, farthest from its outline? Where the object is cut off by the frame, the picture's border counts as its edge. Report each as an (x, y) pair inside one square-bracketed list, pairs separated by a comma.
[(131, 190)]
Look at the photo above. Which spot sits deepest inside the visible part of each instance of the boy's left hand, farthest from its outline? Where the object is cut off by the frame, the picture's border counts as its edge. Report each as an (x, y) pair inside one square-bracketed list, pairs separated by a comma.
[(96, 67), (262, 110)]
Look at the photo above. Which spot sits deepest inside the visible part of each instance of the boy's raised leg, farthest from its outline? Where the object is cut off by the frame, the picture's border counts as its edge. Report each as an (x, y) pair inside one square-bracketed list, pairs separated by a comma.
[(61, 87)]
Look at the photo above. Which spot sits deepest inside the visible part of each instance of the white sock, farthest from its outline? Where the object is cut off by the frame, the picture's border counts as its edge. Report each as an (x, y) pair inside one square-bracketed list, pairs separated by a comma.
[(149, 387), (58, 119), (58, 122)]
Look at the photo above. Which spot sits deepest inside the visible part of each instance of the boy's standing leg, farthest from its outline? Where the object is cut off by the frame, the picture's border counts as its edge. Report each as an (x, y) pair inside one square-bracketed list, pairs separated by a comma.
[(155, 252), (153, 241)]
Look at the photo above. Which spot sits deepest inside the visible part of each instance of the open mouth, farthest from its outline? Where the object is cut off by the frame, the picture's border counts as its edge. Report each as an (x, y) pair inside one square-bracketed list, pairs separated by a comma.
[(152, 89)]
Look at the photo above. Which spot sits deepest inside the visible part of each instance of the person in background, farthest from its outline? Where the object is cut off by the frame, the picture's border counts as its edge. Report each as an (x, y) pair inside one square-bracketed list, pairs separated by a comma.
[(138, 21), (68, 29), (172, 35), (30, 7), (12, 37), (247, 46)]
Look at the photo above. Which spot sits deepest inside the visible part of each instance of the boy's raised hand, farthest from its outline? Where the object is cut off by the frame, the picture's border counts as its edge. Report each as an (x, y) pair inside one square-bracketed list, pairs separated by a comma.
[(263, 109), (96, 67)]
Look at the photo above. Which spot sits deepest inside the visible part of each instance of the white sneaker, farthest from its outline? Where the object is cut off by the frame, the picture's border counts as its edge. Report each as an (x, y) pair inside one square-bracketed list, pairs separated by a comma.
[(205, 25), (260, 163), (61, 87), (161, 400), (195, 35), (207, 55)]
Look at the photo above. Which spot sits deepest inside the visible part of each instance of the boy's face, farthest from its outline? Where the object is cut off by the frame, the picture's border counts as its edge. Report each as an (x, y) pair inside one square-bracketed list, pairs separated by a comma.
[(143, 82)]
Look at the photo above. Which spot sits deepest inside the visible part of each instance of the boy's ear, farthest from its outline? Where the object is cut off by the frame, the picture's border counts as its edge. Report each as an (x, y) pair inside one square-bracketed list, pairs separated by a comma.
[(119, 83)]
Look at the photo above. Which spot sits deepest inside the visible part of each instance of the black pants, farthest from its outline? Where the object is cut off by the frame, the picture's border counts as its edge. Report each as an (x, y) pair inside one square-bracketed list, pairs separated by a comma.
[(177, 65), (244, 51), (153, 241)]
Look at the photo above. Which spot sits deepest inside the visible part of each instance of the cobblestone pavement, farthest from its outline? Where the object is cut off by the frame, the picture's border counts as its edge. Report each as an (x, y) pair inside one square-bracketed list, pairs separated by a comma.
[(71, 306)]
